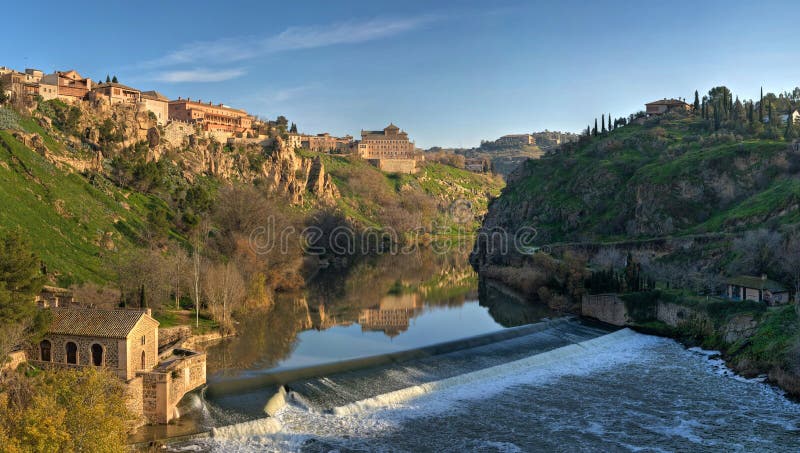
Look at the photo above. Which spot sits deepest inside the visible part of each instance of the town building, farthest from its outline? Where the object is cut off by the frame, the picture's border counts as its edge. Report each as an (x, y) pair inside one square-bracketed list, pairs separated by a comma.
[(477, 164), (21, 84), (126, 343), (210, 117), (666, 105), (117, 93), (294, 140), (392, 315), (758, 289), (325, 142), (157, 103), (516, 140), (70, 85), (388, 149), (53, 297)]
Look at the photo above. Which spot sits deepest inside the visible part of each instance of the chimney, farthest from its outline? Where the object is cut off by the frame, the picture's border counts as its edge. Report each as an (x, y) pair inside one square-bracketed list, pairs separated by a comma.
[(149, 311)]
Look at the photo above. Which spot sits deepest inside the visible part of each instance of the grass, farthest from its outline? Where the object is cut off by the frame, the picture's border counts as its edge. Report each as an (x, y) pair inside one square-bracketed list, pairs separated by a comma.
[(65, 216)]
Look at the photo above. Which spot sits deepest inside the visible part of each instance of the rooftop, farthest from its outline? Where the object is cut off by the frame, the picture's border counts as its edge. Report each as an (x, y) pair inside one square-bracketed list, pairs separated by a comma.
[(152, 94), (666, 101), (115, 85), (761, 283), (95, 322)]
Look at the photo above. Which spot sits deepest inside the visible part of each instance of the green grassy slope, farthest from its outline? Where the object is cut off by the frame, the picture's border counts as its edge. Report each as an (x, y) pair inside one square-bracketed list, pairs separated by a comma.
[(66, 217)]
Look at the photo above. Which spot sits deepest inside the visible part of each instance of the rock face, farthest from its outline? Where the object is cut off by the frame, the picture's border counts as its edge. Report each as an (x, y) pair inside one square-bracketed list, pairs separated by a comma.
[(288, 174)]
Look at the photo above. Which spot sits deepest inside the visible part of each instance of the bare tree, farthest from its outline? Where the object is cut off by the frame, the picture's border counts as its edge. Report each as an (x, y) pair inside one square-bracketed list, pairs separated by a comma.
[(225, 291), (790, 261), (758, 252)]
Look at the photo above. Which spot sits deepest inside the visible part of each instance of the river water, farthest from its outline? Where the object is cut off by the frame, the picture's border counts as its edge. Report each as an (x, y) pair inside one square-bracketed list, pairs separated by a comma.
[(558, 384)]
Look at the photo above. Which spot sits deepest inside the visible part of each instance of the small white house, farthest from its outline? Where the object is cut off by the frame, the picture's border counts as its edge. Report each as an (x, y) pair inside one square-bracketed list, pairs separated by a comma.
[(759, 289)]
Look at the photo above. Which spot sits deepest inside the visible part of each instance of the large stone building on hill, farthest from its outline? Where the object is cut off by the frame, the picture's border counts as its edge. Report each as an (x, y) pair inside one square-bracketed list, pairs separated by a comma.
[(388, 149), (210, 117)]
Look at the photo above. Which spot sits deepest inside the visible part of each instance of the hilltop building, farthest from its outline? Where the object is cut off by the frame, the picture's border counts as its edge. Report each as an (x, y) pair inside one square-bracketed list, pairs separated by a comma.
[(70, 86), (210, 117), (389, 149), (158, 104), (126, 343), (392, 315), (516, 140), (666, 105), (117, 93)]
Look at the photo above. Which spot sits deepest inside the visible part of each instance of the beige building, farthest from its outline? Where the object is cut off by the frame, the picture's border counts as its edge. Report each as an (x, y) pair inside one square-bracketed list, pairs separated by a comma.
[(71, 86), (665, 105), (126, 343), (516, 140), (157, 103), (117, 93), (211, 117), (389, 149)]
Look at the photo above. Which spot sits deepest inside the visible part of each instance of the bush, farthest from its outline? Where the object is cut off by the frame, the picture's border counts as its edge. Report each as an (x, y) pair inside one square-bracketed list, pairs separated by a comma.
[(9, 119)]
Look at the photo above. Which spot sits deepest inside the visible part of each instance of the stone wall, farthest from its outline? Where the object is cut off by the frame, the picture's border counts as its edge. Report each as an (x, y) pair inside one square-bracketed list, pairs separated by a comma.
[(58, 352), (395, 165), (173, 334), (608, 308), (176, 132), (148, 329)]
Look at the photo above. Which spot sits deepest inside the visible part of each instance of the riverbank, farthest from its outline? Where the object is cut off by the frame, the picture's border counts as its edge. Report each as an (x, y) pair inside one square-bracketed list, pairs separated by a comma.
[(752, 338)]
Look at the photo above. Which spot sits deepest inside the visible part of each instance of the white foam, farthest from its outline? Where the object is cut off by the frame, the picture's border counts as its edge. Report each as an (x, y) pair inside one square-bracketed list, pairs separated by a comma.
[(574, 358), (260, 427)]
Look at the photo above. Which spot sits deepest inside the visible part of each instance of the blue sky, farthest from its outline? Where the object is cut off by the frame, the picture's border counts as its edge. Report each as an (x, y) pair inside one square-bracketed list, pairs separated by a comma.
[(449, 72)]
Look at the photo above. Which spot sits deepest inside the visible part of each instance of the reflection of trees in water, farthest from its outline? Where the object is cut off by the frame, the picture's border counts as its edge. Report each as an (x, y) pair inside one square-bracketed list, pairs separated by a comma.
[(265, 337), (507, 309), (344, 296)]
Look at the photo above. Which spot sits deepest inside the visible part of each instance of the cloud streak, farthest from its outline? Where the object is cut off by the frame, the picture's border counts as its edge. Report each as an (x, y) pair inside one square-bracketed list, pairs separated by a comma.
[(232, 50), (198, 75)]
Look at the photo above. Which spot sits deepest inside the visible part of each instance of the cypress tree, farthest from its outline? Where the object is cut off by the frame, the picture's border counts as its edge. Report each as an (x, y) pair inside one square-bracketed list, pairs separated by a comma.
[(114, 79), (790, 133), (142, 298), (603, 122), (594, 131), (609, 123), (761, 107), (696, 101), (108, 79)]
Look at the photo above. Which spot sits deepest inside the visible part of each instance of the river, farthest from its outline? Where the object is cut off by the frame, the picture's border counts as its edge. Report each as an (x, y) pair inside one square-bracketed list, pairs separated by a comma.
[(524, 379)]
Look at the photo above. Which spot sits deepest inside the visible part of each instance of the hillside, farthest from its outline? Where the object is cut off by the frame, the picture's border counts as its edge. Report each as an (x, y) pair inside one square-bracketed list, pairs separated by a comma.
[(90, 200), (667, 177)]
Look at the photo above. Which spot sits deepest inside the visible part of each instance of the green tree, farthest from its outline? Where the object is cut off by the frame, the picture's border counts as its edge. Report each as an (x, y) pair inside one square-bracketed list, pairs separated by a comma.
[(108, 79), (603, 123), (293, 129), (114, 79), (761, 107), (791, 130), (20, 278), (609, 123), (142, 297), (696, 101), (594, 131)]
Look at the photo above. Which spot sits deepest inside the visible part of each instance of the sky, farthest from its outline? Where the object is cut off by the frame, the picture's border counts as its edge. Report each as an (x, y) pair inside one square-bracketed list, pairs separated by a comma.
[(450, 73)]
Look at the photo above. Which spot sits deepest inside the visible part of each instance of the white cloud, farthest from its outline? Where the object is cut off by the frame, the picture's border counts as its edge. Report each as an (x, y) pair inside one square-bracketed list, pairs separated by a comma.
[(198, 75), (228, 50)]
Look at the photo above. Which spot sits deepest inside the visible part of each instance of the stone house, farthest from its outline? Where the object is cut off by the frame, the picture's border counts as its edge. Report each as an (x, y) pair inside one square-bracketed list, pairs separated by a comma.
[(71, 86), (126, 343), (116, 93), (666, 105), (390, 150), (210, 117), (157, 103), (758, 289)]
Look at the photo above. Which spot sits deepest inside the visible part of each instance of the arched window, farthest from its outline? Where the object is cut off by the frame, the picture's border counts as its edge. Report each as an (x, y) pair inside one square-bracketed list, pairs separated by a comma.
[(97, 355), (44, 350), (144, 361), (72, 353)]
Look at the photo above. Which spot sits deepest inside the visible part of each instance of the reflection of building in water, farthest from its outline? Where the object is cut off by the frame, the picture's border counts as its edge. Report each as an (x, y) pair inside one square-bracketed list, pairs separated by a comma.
[(324, 321), (392, 315)]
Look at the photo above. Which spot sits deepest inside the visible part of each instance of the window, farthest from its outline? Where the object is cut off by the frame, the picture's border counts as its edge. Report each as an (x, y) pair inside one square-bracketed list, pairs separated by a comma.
[(97, 355), (144, 340), (144, 361), (44, 350), (72, 353)]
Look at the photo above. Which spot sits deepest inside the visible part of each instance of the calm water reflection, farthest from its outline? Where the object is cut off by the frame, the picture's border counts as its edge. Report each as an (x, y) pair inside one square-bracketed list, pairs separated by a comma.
[(380, 305)]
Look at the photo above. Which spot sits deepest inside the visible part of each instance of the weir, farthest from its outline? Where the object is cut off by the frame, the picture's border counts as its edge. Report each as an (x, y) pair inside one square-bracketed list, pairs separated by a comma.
[(251, 383)]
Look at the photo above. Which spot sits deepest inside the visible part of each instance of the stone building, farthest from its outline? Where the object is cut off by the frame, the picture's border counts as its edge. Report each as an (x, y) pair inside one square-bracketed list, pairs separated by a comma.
[(126, 343), (157, 103), (516, 140), (70, 85), (211, 117), (665, 105), (389, 149), (758, 289), (117, 93), (53, 297)]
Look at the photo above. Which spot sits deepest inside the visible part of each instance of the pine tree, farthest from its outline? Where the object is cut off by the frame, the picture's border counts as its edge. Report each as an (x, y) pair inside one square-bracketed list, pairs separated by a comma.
[(108, 79), (114, 79), (293, 129), (696, 101), (142, 298)]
